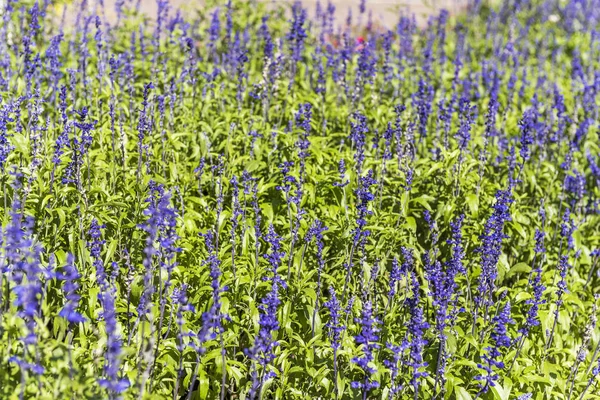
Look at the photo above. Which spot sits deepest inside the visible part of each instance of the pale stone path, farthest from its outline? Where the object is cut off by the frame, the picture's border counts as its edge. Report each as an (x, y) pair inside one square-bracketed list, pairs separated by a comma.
[(384, 12)]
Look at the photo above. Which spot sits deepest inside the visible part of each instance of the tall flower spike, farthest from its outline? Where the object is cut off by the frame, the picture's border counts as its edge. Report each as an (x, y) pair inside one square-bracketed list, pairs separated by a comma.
[(160, 250), (582, 351), (303, 118), (334, 324), (417, 326), (23, 266), (180, 298), (527, 126), (181, 301), (144, 125), (257, 221), (537, 286), (236, 213), (111, 379), (458, 252), (395, 365), (358, 131), (70, 276), (367, 339), (316, 232), (467, 114), (422, 101), (395, 276), (295, 198), (491, 249), (335, 328), (493, 352), (5, 146), (296, 37), (262, 353), (342, 173), (80, 145), (363, 196), (94, 246), (62, 140), (360, 234), (212, 320)]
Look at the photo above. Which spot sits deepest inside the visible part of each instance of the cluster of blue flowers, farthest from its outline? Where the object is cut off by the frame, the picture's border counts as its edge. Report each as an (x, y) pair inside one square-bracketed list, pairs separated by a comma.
[(313, 207)]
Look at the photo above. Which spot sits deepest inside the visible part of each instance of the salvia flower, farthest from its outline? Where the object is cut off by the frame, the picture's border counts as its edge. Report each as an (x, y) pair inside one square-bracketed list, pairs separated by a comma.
[(594, 167), (70, 276), (395, 365), (595, 372), (214, 29), (267, 39), (254, 135), (493, 353), (180, 298), (292, 198), (79, 146), (303, 118), (62, 140), (53, 58), (367, 338), (316, 231), (144, 125), (587, 336), (161, 226), (535, 281), (467, 114), (342, 173), (111, 379), (263, 350), (334, 325), (417, 327), (157, 214), (363, 198), (212, 320), (296, 35), (396, 275), (94, 246), (567, 227), (182, 305), (423, 104), (457, 246), (360, 234), (5, 146), (367, 65), (288, 180), (491, 248), (527, 125), (236, 213), (22, 264), (563, 268), (358, 131), (575, 185), (257, 220)]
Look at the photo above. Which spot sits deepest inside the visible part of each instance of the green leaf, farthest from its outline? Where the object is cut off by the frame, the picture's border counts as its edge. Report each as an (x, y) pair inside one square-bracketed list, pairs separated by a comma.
[(472, 201), (461, 393)]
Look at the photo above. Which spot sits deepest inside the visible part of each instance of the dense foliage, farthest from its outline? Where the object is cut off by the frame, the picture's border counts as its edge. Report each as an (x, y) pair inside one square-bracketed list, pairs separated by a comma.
[(251, 204)]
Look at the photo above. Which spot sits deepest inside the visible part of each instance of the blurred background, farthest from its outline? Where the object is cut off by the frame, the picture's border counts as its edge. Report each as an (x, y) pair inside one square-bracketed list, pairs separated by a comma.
[(383, 13)]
